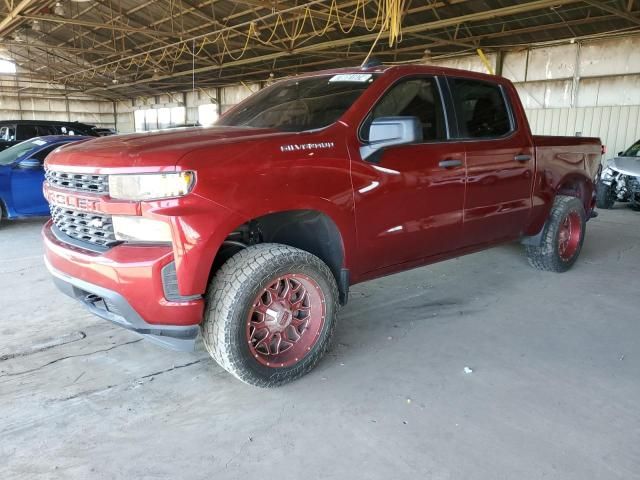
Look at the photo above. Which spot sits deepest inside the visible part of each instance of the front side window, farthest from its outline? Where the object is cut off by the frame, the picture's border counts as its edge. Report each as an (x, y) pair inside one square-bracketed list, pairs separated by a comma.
[(11, 154), (8, 134), (417, 97), (300, 104), (481, 109)]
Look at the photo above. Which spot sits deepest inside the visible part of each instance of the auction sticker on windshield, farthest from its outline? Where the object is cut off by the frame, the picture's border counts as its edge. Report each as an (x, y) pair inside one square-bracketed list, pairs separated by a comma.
[(350, 77)]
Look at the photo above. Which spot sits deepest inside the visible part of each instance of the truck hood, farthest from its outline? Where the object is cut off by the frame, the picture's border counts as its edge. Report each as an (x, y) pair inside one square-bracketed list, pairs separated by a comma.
[(626, 165), (150, 149)]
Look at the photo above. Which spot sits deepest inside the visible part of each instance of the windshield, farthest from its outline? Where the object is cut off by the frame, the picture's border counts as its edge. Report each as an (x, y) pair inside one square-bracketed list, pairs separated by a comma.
[(10, 154), (300, 104), (634, 150)]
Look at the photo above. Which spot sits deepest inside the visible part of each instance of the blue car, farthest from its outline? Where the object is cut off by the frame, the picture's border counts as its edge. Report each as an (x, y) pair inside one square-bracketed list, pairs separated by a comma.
[(22, 175)]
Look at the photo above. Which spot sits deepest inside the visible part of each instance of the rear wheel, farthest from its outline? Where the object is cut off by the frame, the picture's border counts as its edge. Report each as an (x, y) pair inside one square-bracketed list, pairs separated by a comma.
[(562, 236), (271, 314), (605, 195)]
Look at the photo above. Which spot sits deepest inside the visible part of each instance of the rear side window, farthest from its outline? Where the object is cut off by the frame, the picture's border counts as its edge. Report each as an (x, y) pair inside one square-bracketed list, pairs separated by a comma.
[(25, 132), (416, 97), (44, 130), (481, 109)]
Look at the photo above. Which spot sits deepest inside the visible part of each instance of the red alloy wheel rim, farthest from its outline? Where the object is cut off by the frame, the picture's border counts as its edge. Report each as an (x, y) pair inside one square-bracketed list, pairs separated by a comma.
[(569, 236), (285, 320)]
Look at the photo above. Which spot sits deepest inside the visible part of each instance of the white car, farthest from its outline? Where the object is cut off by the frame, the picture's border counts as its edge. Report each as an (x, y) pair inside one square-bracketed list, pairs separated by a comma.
[(620, 180)]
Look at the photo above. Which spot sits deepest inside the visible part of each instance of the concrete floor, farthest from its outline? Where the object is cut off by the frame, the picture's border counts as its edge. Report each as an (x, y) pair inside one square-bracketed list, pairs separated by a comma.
[(553, 394)]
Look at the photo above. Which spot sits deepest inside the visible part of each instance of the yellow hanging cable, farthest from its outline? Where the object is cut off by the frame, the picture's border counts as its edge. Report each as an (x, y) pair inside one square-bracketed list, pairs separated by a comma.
[(388, 19)]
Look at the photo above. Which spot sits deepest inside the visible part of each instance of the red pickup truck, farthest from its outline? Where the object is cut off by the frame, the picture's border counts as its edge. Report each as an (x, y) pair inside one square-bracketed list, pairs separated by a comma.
[(252, 231)]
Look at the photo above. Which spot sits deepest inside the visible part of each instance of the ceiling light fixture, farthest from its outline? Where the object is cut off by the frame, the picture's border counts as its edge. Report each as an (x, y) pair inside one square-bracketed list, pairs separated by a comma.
[(59, 10)]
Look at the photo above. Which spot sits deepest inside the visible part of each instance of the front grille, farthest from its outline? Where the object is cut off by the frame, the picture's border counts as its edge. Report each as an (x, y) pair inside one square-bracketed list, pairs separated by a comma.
[(80, 182), (86, 227)]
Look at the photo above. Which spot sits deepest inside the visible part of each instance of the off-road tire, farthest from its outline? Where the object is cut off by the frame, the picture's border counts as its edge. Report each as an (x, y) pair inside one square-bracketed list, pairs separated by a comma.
[(546, 256), (231, 294), (605, 196)]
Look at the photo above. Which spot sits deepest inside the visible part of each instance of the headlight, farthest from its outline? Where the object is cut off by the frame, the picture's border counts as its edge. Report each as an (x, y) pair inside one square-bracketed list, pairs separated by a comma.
[(607, 174), (140, 229), (150, 186)]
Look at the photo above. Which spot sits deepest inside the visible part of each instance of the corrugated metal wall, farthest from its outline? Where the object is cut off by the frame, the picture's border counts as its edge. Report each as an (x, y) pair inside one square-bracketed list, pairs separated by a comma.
[(618, 127), (51, 106)]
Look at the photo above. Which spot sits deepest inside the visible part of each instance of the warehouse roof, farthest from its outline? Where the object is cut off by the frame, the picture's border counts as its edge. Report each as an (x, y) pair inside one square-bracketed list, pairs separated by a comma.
[(125, 48)]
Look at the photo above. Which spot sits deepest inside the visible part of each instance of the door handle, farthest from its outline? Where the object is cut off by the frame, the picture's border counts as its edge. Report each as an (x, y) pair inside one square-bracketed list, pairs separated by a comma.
[(450, 163), (522, 158)]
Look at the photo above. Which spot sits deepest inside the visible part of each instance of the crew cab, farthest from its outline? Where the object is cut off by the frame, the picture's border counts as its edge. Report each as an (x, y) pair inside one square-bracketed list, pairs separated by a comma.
[(252, 231)]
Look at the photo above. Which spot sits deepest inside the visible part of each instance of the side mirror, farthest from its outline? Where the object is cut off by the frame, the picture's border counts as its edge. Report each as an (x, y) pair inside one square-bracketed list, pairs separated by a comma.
[(620, 154), (29, 164), (389, 131)]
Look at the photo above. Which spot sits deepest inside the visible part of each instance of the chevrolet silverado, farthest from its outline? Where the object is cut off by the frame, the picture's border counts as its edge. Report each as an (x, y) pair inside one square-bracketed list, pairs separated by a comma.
[(250, 233)]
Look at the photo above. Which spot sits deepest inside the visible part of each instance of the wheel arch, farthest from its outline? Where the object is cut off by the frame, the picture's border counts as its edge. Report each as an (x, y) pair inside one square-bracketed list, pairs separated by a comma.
[(308, 229), (579, 186), (575, 185)]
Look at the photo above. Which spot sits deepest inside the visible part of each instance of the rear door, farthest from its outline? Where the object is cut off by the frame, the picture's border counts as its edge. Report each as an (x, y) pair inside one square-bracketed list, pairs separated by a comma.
[(26, 185), (409, 202), (500, 162)]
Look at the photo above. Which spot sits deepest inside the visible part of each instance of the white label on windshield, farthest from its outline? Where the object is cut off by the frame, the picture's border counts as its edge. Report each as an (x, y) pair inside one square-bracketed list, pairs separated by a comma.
[(39, 142), (350, 77)]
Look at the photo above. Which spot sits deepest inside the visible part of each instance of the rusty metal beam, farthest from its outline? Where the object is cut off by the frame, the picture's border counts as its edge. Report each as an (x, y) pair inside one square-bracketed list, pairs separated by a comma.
[(14, 14), (610, 9), (97, 26)]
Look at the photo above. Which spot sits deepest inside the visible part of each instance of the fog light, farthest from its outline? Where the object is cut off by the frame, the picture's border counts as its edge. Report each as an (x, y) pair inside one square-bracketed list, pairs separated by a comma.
[(140, 229)]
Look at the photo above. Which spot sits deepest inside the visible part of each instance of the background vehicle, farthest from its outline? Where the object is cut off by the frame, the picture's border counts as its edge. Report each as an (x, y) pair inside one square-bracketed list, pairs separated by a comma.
[(105, 132), (13, 132), (620, 180), (255, 229), (22, 175)]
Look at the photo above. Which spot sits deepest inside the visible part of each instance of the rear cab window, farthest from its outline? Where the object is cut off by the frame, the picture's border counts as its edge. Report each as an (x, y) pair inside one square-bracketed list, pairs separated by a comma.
[(482, 109)]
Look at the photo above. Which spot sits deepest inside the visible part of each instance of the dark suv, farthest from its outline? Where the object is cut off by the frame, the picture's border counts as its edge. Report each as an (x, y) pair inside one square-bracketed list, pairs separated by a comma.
[(16, 131)]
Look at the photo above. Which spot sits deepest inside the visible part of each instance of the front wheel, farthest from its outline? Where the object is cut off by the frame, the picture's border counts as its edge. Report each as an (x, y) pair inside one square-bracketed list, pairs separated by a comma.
[(562, 236), (271, 314), (605, 195)]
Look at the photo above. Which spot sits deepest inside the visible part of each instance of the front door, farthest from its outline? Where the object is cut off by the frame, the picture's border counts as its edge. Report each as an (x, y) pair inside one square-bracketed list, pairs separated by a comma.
[(500, 162), (26, 186), (409, 203)]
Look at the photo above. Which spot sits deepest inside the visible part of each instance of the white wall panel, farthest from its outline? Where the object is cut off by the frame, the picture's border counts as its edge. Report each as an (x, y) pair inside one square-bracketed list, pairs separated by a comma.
[(552, 62), (552, 94), (617, 126), (235, 94), (467, 62), (614, 56), (618, 90), (514, 65)]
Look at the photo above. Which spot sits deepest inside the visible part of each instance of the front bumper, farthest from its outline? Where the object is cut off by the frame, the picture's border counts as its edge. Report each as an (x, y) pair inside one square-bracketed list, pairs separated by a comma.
[(124, 286)]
